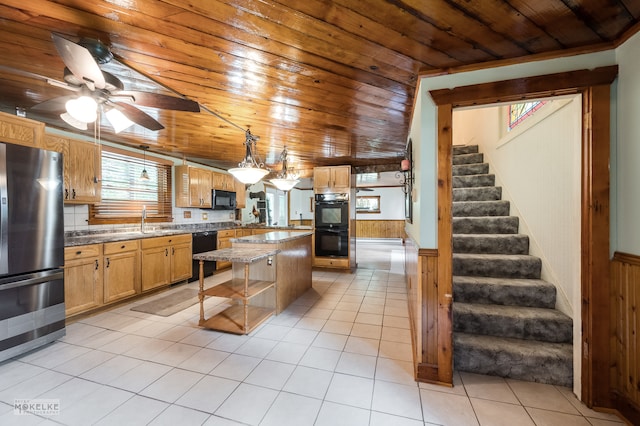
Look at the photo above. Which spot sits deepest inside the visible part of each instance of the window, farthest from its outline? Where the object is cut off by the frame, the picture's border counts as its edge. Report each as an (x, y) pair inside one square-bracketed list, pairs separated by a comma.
[(124, 194), (368, 204), (520, 111)]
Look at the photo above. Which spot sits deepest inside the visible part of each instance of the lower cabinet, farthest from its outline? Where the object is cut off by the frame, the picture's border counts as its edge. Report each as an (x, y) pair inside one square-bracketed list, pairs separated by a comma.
[(121, 270), (224, 241), (165, 260), (83, 289), (100, 274)]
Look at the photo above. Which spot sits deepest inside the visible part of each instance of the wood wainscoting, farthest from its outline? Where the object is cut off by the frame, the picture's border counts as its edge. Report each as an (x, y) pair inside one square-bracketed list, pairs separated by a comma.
[(303, 222), (380, 228), (421, 269), (625, 334)]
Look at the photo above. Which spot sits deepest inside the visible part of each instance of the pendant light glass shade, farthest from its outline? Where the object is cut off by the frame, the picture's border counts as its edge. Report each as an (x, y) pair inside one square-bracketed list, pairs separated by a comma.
[(144, 175), (84, 109), (286, 179), (249, 171), (118, 120)]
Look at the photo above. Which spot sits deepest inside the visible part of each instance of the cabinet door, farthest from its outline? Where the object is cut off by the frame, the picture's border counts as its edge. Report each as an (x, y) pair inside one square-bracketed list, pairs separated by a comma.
[(181, 186), (84, 169), (206, 184), (156, 267), (195, 200), (21, 131), (82, 284), (341, 178), (181, 264), (121, 275), (241, 194), (61, 145), (321, 178)]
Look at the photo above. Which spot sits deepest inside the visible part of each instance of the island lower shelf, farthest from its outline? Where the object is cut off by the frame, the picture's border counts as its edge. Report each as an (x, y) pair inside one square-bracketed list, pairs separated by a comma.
[(238, 319)]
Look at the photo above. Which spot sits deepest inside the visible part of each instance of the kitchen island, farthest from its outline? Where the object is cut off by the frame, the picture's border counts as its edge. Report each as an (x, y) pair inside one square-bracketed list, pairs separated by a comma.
[(294, 261)]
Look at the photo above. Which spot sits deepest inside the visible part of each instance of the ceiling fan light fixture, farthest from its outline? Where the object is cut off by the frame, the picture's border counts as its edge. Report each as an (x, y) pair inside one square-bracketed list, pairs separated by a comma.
[(67, 118), (83, 109), (118, 120), (249, 171), (286, 179)]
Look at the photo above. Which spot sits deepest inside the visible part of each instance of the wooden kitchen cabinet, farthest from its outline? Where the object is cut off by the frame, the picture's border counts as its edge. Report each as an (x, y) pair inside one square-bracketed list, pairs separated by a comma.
[(82, 168), (83, 289), (21, 131), (224, 182), (332, 179), (224, 241), (121, 270), (193, 187), (241, 194), (165, 260)]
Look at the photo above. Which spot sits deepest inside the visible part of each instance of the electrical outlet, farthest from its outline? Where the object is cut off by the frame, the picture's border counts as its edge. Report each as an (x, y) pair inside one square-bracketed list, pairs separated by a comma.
[(205, 216), (187, 214)]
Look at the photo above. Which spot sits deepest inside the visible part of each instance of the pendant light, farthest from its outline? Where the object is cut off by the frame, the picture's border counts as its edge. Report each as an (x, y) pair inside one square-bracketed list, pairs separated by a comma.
[(250, 170), (286, 179), (144, 175)]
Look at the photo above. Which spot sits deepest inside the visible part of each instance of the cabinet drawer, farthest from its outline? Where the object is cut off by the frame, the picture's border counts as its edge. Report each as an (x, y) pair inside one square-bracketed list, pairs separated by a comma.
[(165, 241), (225, 243), (121, 246), (81, 252), (227, 233)]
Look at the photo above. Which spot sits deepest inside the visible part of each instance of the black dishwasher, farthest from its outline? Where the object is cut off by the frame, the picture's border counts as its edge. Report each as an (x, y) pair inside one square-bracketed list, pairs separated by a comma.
[(202, 242)]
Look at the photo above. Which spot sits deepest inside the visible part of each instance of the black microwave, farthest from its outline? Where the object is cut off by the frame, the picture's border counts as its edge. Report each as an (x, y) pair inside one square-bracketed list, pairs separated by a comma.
[(223, 200)]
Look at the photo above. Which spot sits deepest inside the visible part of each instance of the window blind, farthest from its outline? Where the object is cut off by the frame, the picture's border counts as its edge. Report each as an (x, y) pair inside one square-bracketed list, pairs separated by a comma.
[(124, 194)]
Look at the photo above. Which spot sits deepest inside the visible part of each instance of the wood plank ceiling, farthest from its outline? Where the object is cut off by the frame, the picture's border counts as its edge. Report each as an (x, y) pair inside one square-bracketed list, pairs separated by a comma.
[(333, 81)]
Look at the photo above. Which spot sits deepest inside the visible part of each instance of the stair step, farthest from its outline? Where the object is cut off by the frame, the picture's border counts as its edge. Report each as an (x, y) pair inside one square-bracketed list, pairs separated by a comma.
[(470, 169), (480, 208), (485, 225), (471, 181), (464, 149), (517, 322), (497, 265), (528, 360), (474, 158), (504, 291), (481, 193), (491, 243)]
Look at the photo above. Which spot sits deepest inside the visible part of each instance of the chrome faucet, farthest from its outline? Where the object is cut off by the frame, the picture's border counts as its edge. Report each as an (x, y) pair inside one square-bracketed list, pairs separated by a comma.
[(144, 216)]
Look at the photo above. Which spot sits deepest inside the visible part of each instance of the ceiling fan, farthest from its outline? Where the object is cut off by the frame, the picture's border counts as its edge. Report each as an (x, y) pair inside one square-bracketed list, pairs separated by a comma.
[(99, 91)]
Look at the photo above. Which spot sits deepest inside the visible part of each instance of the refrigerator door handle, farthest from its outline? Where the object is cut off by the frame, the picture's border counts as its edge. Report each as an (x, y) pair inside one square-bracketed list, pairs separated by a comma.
[(35, 279)]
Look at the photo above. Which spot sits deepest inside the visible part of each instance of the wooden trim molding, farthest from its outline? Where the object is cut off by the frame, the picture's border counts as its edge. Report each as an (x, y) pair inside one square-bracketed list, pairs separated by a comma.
[(631, 259), (535, 87)]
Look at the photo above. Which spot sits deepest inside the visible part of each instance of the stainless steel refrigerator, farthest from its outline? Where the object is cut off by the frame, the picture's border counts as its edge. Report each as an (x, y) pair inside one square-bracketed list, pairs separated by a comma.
[(31, 249)]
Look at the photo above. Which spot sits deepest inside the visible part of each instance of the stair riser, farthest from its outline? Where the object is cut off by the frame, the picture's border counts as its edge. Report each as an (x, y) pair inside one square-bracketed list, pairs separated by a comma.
[(555, 370), (487, 225), (544, 330), (468, 159), (488, 294), (499, 268), (480, 208), (490, 193), (472, 181), (491, 244), (465, 149), (470, 169)]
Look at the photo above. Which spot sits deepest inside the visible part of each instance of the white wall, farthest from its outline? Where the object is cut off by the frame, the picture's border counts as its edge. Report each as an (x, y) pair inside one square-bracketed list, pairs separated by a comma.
[(391, 204), (625, 178), (301, 203)]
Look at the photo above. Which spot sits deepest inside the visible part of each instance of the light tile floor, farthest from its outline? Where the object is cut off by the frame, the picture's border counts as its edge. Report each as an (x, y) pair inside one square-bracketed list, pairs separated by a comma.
[(340, 355)]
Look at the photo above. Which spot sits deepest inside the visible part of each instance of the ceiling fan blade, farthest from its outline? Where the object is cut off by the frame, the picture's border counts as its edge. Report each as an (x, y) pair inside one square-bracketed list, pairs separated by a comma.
[(79, 61), (53, 105), (156, 100), (138, 116)]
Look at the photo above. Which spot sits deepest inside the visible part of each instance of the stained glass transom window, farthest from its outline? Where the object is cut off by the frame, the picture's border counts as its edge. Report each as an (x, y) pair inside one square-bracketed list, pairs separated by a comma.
[(520, 111)]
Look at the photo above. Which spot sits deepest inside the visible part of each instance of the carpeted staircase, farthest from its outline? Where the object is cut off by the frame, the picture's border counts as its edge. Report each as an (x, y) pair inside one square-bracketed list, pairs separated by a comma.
[(504, 319)]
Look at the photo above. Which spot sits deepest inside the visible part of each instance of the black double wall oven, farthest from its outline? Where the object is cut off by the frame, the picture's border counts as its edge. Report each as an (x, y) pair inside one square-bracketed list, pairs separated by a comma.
[(332, 225)]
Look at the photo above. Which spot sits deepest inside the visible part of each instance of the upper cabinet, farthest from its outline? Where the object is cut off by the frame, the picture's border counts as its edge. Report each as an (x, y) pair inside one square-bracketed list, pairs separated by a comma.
[(332, 179), (241, 194), (82, 168), (21, 131), (193, 187), (224, 182)]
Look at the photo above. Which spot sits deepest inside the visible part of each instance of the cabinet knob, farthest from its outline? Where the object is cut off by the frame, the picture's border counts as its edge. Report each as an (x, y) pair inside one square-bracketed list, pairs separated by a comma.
[(66, 194), (73, 194), (108, 262), (166, 252), (79, 252), (96, 264), (122, 246)]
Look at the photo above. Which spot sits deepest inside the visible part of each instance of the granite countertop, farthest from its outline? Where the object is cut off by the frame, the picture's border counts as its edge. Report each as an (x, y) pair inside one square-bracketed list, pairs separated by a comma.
[(234, 254), (107, 237), (273, 237)]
